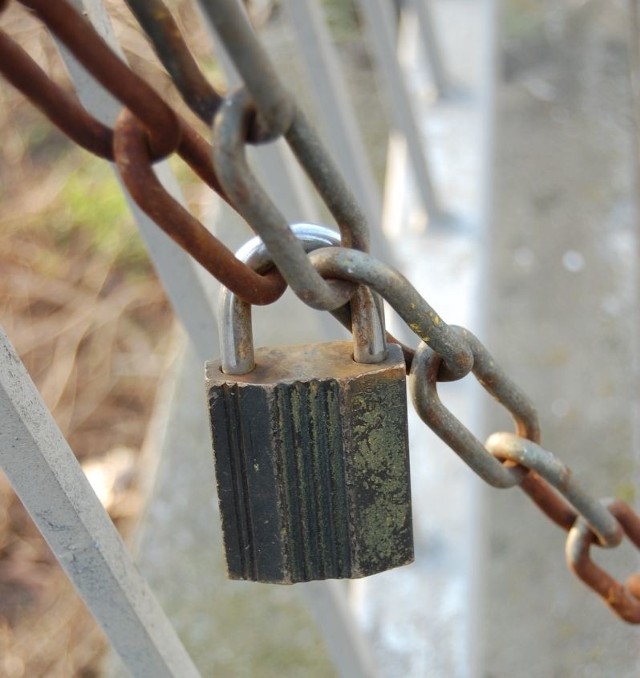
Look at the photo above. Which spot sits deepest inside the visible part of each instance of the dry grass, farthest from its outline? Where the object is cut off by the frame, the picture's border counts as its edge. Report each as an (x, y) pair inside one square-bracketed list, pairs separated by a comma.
[(93, 337), (93, 340)]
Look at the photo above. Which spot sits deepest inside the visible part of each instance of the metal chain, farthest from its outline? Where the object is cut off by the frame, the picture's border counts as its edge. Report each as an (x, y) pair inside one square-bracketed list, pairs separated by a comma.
[(508, 459), (148, 129)]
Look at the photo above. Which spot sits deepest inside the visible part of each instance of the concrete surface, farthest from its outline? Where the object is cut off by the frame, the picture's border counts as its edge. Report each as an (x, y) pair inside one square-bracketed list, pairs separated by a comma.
[(563, 321)]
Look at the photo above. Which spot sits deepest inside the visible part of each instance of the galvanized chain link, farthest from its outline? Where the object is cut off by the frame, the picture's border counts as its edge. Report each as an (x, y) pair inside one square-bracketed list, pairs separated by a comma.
[(149, 129), (229, 136)]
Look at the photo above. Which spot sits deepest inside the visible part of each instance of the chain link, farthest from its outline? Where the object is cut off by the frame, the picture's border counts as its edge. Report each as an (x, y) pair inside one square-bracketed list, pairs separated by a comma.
[(94, 54), (148, 129), (229, 135), (624, 599), (338, 262), (62, 109)]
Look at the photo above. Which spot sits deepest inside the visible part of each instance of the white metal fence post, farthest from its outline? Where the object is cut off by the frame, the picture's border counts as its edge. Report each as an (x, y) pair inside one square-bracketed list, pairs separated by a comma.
[(50, 483), (381, 24)]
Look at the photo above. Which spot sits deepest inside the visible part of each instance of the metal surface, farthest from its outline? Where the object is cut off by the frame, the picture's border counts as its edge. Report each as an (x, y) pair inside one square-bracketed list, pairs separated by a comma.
[(534, 469), (149, 129), (274, 104), (135, 152), (180, 276), (230, 133), (312, 464), (328, 181), (604, 523), (134, 165), (279, 173), (512, 448), (624, 599), (334, 111), (166, 132), (236, 336), (91, 50), (60, 107), (276, 108)]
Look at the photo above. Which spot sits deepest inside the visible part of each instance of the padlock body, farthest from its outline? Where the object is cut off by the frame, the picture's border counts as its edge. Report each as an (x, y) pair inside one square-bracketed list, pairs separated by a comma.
[(312, 464)]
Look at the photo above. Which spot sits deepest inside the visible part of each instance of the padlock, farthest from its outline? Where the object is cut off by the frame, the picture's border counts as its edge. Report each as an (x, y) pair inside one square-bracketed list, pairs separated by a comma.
[(311, 451)]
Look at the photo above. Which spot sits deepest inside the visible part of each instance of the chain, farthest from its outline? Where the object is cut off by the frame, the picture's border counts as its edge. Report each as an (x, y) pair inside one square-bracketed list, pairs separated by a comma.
[(148, 129), (162, 131), (508, 459)]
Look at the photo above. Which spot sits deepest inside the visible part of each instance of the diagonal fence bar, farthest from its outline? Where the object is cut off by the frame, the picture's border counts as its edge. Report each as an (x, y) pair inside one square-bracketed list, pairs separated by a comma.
[(333, 109), (52, 486), (381, 25), (178, 272), (431, 45)]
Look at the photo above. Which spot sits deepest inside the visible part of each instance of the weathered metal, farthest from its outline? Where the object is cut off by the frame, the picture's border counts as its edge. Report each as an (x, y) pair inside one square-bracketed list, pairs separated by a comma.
[(277, 114), (312, 464), (366, 322), (229, 135), (536, 471), (310, 445), (526, 453), (230, 131), (450, 429), (275, 105), (149, 129), (62, 108), (91, 50), (136, 149), (356, 266), (134, 165), (624, 599)]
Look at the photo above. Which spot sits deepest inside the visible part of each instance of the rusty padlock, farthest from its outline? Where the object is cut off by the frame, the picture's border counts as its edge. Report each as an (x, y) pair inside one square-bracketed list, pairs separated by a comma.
[(311, 449)]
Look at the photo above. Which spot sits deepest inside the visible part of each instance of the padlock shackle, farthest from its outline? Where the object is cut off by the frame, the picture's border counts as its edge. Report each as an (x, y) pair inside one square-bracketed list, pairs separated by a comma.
[(235, 326)]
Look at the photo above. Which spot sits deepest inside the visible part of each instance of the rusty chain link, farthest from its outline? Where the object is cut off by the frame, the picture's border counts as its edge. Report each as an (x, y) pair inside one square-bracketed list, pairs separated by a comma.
[(148, 129)]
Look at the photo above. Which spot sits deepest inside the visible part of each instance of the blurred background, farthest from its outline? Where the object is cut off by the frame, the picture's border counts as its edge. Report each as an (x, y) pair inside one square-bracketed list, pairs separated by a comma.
[(81, 303)]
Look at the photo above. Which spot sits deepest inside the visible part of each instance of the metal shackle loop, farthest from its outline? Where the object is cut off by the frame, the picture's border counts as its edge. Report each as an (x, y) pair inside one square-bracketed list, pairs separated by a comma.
[(236, 332)]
